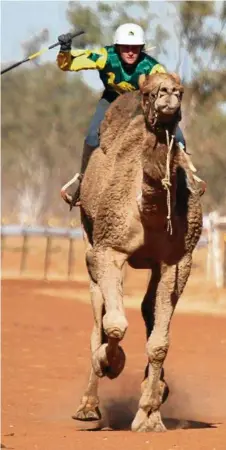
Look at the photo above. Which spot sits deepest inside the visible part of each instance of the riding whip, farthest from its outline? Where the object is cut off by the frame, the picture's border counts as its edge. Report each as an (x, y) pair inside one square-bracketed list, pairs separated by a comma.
[(35, 55)]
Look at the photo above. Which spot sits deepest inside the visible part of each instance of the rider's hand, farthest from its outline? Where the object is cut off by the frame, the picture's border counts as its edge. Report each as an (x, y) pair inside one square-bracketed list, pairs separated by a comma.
[(124, 86), (65, 41)]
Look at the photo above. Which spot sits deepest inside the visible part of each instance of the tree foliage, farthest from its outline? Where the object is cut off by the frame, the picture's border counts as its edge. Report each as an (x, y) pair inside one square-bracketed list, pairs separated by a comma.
[(203, 33), (44, 121)]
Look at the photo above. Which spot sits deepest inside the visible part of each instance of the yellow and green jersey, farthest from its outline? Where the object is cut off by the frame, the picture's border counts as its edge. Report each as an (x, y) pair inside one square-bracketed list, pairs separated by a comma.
[(116, 76)]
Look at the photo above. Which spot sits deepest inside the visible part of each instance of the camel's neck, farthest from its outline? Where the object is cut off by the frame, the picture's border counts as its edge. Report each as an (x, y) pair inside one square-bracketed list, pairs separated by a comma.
[(157, 154), (160, 164)]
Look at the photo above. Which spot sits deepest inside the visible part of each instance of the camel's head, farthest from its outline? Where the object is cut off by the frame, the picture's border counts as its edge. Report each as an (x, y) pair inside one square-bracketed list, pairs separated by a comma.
[(161, 97)]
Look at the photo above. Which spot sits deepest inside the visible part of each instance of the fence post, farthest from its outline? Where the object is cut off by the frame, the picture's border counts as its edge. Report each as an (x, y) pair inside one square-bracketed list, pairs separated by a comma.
[(24, 251), (2, 246), (47, 252), (71, 249), (209, 261), (70, 256), (217, 251), (2, 242), (224, 263)]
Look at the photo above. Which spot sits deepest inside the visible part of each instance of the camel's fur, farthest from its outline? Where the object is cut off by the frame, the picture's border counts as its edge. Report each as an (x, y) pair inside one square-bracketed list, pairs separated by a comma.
[(124, 215)]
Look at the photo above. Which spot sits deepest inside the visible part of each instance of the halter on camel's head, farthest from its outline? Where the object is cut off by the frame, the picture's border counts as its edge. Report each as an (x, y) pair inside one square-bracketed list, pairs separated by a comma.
[(161, 99)]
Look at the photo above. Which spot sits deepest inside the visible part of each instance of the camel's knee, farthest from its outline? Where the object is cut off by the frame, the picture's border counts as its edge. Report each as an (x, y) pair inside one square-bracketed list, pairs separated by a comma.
[(115, 324), (157, 353)]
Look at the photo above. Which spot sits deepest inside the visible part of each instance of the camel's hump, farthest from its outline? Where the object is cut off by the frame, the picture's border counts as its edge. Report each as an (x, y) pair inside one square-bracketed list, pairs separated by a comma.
[(118, 115)]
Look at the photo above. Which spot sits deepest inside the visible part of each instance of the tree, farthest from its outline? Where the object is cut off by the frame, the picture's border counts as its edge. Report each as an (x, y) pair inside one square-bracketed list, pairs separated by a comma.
[(44, 121), (202, 33)]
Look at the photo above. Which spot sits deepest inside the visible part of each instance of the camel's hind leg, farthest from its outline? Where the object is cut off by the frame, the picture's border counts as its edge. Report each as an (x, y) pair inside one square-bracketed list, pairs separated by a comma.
[(168, 290)]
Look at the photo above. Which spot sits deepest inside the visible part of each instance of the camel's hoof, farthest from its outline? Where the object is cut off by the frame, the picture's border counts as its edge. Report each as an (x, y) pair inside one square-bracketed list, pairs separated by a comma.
[(88, 409), (87, 413), (142, 423), (139, 420), (108, 362), (155, 426), (116, 363), (115, 324)]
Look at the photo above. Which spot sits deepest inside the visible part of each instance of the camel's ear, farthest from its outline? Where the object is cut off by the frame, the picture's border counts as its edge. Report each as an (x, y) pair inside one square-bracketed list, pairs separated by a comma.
[(175, 77), (142, 81)]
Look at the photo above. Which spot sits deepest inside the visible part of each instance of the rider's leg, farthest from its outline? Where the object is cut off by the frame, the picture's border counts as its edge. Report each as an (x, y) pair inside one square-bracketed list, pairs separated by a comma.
[(179, 137), (92, 138), (91, 142)]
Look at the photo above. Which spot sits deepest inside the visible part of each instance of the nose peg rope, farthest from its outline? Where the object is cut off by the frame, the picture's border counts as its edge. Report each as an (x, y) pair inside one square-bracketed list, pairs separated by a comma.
[(166, 181)]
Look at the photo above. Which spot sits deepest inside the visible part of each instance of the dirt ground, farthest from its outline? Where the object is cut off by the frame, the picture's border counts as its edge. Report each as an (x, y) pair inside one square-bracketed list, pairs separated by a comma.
[(46, 328)]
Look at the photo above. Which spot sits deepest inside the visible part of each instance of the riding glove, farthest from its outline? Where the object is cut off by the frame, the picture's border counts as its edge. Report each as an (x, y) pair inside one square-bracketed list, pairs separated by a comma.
[(65, 41)]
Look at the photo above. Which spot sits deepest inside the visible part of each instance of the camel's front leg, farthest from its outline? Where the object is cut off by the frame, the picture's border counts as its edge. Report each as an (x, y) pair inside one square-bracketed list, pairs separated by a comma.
[(109, 265), (170, 287)]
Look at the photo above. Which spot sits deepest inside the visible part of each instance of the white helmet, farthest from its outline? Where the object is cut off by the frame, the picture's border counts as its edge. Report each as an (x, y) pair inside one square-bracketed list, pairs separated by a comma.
[(129, 34)]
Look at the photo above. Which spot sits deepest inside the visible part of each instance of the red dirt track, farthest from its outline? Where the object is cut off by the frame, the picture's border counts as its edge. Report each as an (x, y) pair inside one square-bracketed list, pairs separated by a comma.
[(45, 366)]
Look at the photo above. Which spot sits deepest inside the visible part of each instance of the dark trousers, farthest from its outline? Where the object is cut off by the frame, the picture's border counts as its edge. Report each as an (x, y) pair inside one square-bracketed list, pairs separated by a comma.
[(92, 137)]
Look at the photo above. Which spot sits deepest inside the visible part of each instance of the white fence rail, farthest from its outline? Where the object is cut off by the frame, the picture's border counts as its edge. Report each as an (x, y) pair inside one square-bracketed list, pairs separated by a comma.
[(49, 233), (213, 237), (214, 225)]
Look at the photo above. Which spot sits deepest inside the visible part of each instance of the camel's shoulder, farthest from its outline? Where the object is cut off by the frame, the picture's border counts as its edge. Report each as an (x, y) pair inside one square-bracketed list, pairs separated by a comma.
[(122, 109)]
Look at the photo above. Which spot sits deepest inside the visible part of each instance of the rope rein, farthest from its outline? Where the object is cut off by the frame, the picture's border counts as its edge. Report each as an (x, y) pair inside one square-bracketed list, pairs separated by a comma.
[(166, 181)]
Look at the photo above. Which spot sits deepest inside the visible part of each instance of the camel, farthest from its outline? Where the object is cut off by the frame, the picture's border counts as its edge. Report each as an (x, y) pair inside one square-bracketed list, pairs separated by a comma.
[(140, 204)]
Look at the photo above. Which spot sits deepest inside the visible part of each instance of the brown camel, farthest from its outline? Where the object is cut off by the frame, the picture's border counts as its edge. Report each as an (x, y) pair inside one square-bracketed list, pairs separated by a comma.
[(141, 205)]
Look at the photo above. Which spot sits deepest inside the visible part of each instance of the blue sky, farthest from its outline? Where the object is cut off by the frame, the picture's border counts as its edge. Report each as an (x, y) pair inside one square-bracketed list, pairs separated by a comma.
[(21, 19)]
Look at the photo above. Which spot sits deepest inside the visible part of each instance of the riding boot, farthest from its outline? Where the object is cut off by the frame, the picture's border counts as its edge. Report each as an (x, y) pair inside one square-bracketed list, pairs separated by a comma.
[(199, 182), (74, 199)]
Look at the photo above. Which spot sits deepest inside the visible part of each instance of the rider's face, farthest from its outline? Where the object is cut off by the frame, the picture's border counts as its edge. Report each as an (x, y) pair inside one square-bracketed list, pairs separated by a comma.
[(129, 53)]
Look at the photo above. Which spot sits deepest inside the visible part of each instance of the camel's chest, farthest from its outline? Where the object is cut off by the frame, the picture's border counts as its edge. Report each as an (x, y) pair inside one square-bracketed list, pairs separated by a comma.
[(157, 246)]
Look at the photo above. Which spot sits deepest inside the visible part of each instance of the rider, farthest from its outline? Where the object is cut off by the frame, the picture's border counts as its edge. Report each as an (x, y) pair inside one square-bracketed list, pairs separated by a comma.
[(119, 66)]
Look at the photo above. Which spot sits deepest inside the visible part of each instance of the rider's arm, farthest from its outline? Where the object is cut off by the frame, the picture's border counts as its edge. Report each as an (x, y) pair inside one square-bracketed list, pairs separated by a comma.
[(75, 60)]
